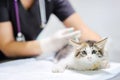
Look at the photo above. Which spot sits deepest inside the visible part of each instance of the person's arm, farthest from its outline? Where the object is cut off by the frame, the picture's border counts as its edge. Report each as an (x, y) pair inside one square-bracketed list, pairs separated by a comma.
[(65, 12), (14, 49), (86, 33), (11, 48)]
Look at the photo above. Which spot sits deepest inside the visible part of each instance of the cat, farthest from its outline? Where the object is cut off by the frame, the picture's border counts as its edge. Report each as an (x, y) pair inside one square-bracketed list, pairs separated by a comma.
[(86, 55)]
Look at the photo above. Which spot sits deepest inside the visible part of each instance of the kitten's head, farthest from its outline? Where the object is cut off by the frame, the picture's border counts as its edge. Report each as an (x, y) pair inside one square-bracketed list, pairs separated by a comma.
[(89, 49)]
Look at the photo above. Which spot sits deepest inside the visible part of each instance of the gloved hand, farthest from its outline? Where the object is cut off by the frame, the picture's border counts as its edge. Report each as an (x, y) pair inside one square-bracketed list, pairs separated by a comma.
[(58, 40)]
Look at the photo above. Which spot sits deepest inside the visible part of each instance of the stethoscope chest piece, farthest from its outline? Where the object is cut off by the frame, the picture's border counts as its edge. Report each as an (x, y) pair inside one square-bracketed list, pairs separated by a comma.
[(20, 37)]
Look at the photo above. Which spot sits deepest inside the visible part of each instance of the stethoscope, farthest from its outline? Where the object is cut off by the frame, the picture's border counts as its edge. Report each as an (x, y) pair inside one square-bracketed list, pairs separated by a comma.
[(20, 36)]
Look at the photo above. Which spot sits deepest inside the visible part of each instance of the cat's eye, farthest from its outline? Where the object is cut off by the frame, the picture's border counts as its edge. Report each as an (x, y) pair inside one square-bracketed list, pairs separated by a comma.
[(94, 52), (78, 53), (100, 54), (84, 53)]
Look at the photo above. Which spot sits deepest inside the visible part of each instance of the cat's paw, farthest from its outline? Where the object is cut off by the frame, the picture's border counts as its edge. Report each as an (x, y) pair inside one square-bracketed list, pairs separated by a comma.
[(105, 65), (58, 69)]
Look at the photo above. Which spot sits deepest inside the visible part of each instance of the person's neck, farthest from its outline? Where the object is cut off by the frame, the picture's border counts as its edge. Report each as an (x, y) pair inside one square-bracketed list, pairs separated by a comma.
[(27, 3)]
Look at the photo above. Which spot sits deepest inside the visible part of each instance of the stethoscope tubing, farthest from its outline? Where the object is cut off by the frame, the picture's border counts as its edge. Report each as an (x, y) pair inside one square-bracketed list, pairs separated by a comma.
[(17, 15)]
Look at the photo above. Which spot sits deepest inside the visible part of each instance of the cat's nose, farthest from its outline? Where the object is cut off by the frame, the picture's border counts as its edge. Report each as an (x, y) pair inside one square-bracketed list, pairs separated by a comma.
[(89, 58)]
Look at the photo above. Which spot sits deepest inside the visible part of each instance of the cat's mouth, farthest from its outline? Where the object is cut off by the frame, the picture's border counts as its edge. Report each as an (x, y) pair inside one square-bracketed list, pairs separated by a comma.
[(89, 58)]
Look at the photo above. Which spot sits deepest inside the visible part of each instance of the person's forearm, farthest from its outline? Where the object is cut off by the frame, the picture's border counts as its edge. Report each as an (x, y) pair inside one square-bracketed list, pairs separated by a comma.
[(22, 49), (86, 33)]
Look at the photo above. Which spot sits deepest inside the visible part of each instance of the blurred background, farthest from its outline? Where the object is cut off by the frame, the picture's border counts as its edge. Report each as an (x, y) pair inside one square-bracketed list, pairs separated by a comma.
[(103, 16)]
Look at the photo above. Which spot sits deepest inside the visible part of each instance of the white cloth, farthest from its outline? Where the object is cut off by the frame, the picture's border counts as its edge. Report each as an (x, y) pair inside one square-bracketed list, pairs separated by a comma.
[(32, 69)]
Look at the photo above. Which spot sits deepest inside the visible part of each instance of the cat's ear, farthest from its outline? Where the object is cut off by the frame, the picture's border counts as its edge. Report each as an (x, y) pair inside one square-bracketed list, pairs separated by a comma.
[(101, 44), (74, 43)]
